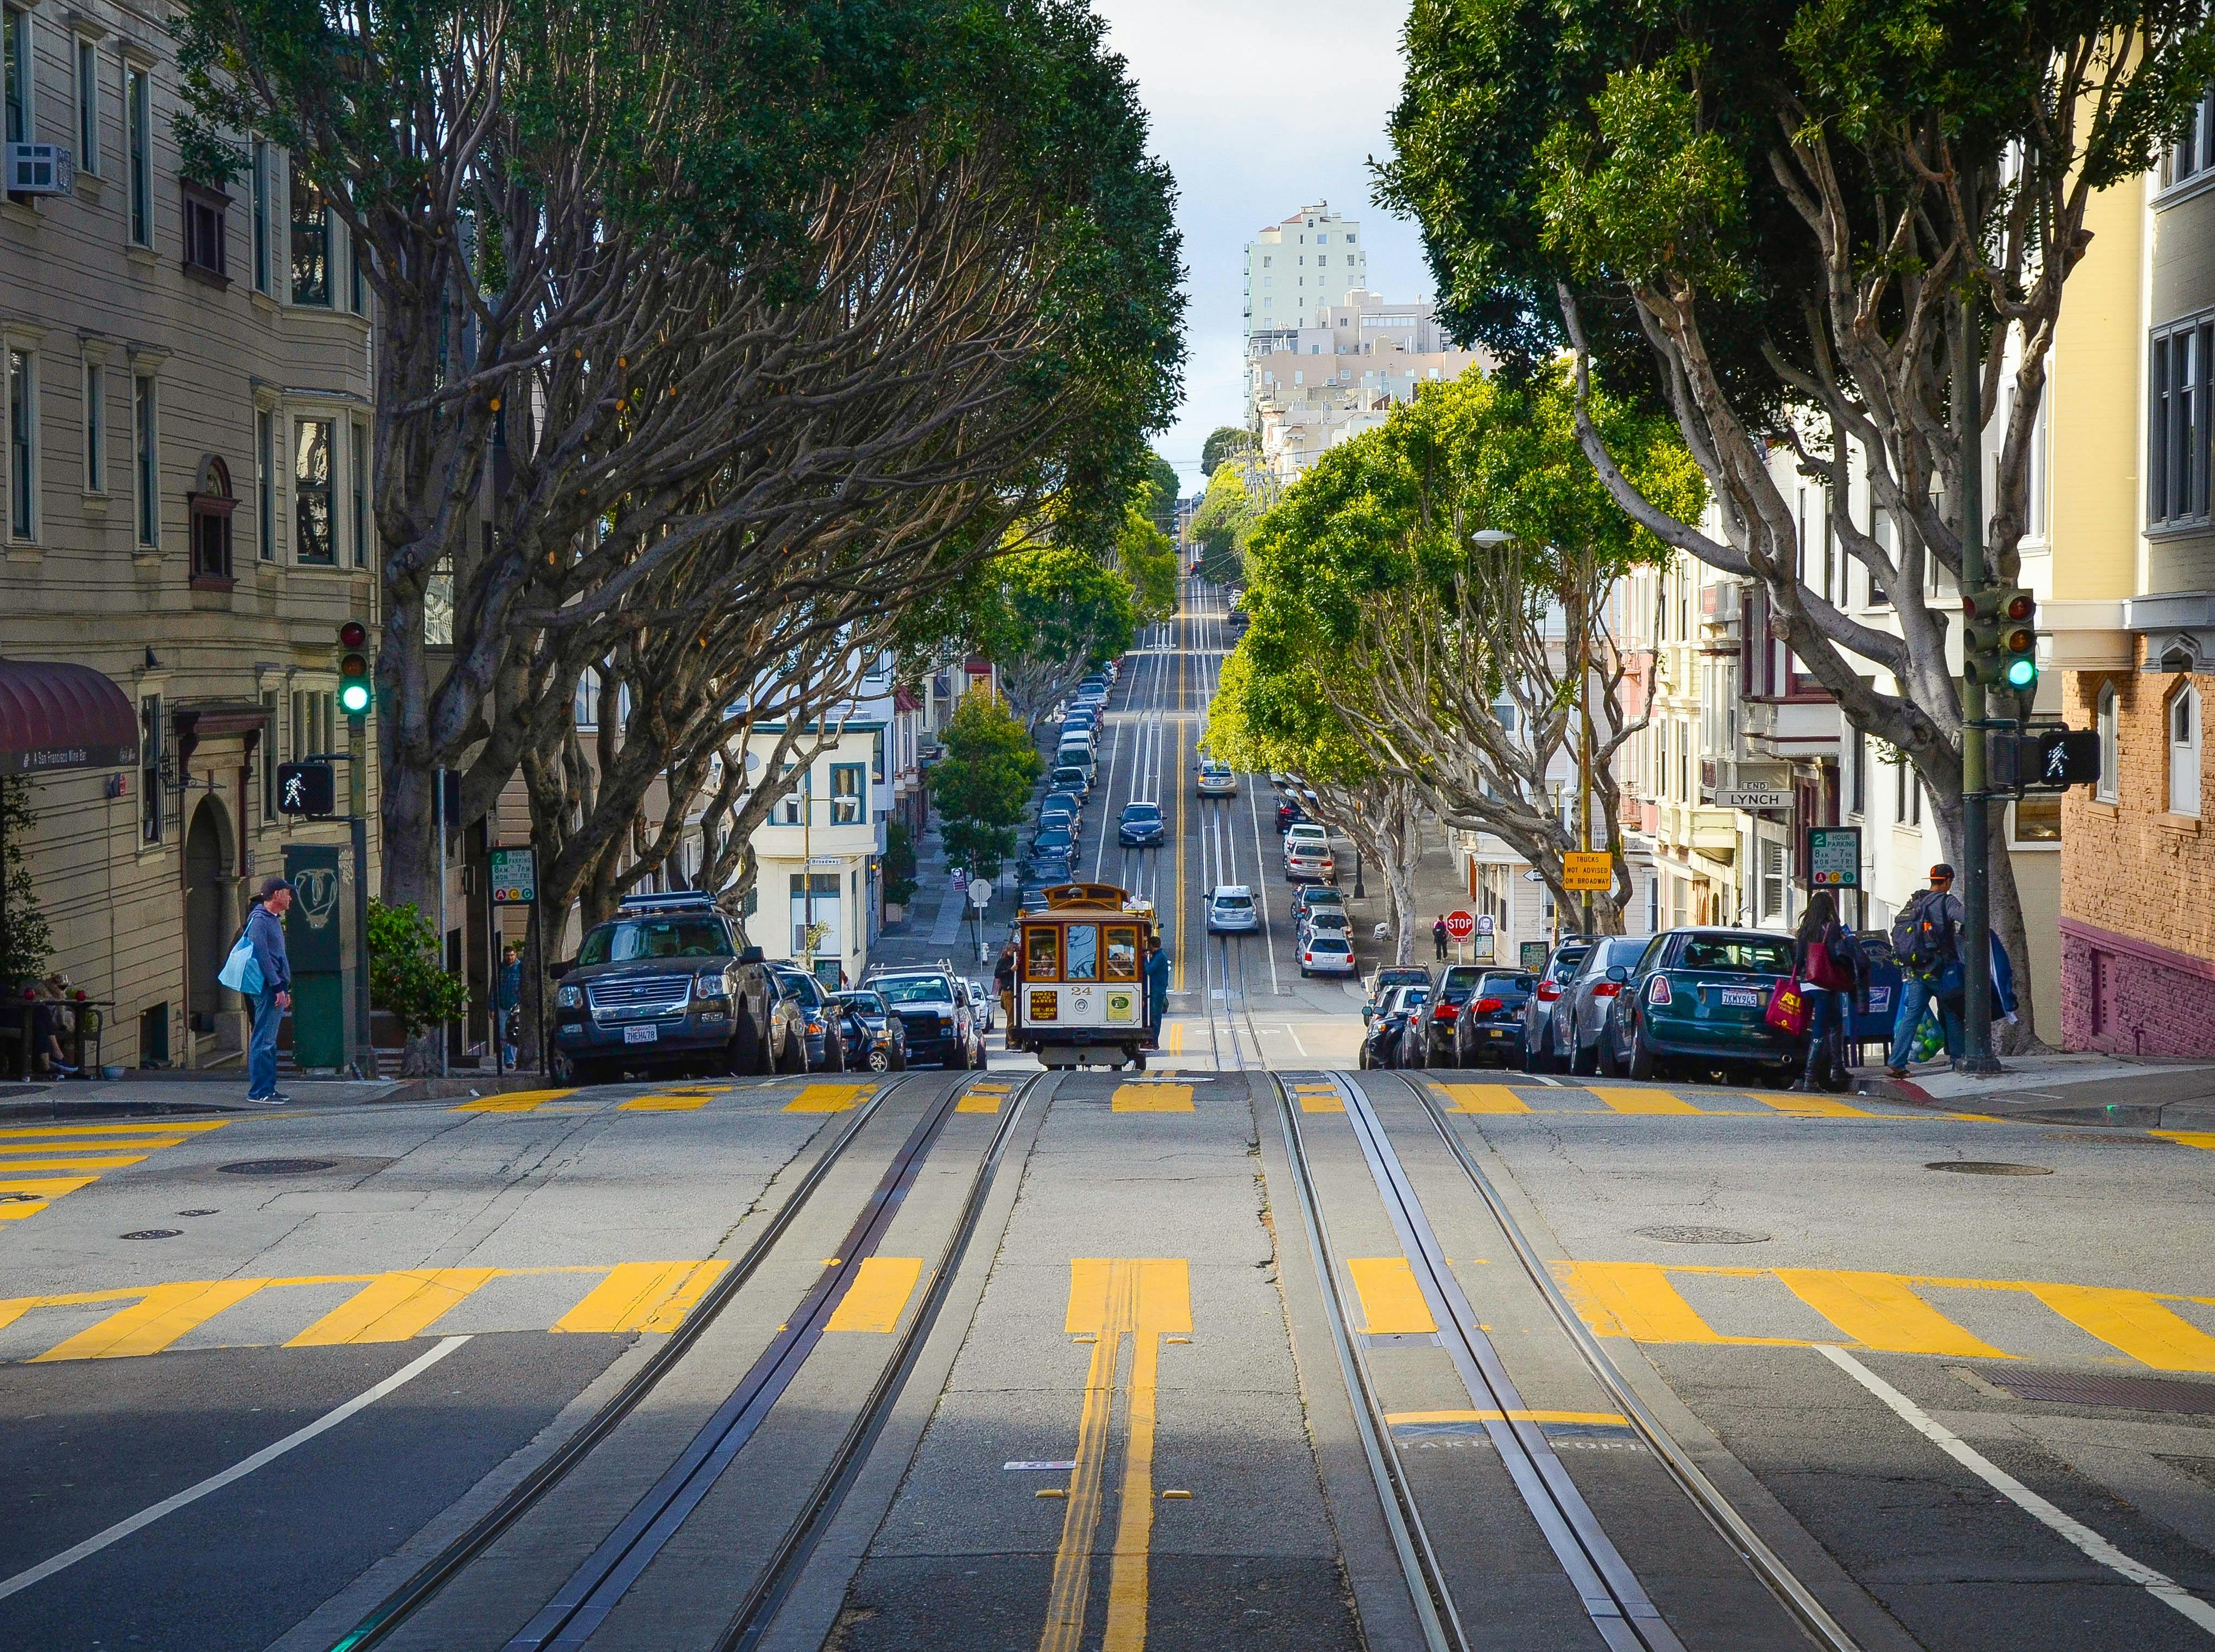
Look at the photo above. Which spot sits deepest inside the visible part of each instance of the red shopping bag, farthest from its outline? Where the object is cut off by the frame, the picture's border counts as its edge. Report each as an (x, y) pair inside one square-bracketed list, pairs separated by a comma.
[(1788, 1009)]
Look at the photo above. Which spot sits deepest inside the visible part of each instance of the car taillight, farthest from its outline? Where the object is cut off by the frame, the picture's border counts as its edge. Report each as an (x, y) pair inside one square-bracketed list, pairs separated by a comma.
[(1489, 1007), (1548, 991), (1444, 1012), (1658, 993), (1607, 989)]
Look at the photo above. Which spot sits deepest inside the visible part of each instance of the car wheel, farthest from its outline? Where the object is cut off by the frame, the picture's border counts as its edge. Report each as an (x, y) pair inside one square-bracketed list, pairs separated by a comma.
[(794, 1059), (1604, 1055), (880, 1060), (1642, 1064), (1581, 1064)]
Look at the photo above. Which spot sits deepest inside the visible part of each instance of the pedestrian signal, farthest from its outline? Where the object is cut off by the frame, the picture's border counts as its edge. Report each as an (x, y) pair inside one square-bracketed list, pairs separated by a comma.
[(2059, 757), (356, 694), (306, 789)]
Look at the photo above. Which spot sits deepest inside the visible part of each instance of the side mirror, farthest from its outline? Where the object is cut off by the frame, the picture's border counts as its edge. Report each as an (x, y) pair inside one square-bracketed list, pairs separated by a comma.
[(560, 966), (1618, 973), (750, 955)]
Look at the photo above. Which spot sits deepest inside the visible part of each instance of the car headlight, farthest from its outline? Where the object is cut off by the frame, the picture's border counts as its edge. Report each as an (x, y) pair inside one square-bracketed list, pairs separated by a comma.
[(569, 998), (711, 985)]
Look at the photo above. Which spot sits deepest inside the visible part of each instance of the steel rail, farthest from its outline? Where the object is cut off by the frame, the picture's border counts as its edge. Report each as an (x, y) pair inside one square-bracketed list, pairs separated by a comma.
[(432, 1576), (1764, 1562)]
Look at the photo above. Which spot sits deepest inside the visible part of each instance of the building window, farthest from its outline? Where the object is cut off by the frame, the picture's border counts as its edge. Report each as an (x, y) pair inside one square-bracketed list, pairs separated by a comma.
[(88, 107), (144, 446), (260, 216), (585, 711), (2105, 788), (265, 484), (311, 243), (23, 447), (1773, 879), (95, 428), (792, 807), (2176, 435), (269, 754), (2194, 152), (138, 120), (208, 509), (2037, 821), (358, 475), (16, 72), (357, 281), (848, 794), (149, 768), (311, 493), (2184, 752), (205, 237)]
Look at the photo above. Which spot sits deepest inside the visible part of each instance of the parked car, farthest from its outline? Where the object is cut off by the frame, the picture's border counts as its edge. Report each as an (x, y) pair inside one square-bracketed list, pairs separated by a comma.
[(1431, 1036), (1048, 869), (1309, 897), (1384, 978), (933, 1011), (1326, 955), (1140, 826), (1070, 778), (1489, 1030), (1698, 1000), (1308, 831), (826, 1050), (1078, 754), (1216, 780), (1059, 813), (1309, 862), (1380, 1046), (1538, 1013), (983, 1002), (1230, 910), (876, 1039), (1584, 1002), (1289, 813), (1055, 840), (663, 987), (1326, 921)]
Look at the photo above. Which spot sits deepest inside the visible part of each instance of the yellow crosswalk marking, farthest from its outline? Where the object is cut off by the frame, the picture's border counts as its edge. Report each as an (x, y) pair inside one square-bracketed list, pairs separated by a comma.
[(981, 1099), (1319, 1098), (1391, 1301), (2133, 1322), (878, 1295), (392, 1307), (1635, 1300), (828, 1097), (1623, 1099), (94, 1148), (1483, 1098), (11, 1163), (1811, 1106), (1600, 1418), (180, 1128), (155, 1321), (27, 1196), (513, 1101), (672, 1101), (642, 1296), (1881, 1311), (2202, 1139), (1151, 1098)]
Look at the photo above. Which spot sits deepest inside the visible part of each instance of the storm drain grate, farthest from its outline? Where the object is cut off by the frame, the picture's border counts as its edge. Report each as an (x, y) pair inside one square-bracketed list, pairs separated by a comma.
[(154, 1232), (1988, 1167), (277, 1167), (2127, 1393), (1701, 1236)]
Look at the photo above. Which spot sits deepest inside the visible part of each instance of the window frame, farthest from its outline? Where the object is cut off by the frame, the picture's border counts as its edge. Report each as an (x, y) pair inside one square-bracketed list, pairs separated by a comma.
[(92, 424), (152, 750), (205, 223), (260, 208), (264, 483), (85, 65), (2183, 770), (19, 367), (146, 460), (2177, 425), (858, 774), (299, 188), (138, 150), (305, 491), (2196, 147), (358, 487), (271, 700), (19, 76)]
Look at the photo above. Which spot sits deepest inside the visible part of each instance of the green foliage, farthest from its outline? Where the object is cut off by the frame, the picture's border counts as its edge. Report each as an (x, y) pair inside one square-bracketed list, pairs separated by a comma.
[(981, 784), (205, 155), (1051, 605), (1222, 441), (1148, 561), (898, 863), (28, 943), (1156, 496), (406, 978), (1223, 525)]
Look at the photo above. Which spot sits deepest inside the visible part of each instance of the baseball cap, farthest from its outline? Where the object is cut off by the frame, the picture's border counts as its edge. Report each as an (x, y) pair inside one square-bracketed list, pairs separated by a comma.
[(1941, 870), (271, 885)]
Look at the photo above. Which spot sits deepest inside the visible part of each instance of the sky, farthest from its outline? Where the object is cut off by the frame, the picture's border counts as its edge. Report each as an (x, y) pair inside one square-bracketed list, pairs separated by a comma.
[(1261, 108)]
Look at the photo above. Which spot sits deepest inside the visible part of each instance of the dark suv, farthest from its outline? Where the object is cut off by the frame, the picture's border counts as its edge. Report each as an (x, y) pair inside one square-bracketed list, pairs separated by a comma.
[(662, 987)]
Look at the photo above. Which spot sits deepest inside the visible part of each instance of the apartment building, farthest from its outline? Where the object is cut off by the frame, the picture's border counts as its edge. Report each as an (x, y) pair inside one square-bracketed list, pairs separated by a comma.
[(1340, 372), (1295, 266), (185, 428)]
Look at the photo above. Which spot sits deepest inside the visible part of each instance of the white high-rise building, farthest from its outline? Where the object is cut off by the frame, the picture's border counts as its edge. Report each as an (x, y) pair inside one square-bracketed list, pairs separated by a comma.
[(1296, 268)]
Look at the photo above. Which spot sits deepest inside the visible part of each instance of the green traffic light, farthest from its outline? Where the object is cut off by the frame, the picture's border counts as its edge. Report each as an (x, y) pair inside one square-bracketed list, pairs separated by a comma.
[(2022, 673), (354, 698)]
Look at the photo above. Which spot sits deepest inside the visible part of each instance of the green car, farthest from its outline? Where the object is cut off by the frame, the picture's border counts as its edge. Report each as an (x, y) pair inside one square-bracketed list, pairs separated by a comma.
[(1698, 1000)]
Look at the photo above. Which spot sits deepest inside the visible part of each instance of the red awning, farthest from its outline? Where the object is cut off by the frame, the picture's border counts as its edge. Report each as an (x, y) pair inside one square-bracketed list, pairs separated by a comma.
[(58, 716)]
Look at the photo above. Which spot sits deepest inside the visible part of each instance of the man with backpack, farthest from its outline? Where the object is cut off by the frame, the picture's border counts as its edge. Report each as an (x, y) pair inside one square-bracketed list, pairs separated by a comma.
[(1927, 940)]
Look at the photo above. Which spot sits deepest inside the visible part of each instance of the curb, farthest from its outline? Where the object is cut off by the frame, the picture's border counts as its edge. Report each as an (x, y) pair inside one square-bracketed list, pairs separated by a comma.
[(60, 1104)]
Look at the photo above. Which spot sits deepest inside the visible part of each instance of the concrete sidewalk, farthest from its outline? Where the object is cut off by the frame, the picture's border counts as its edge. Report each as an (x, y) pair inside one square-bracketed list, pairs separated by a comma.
[(156, 1093), (2057, 1088)]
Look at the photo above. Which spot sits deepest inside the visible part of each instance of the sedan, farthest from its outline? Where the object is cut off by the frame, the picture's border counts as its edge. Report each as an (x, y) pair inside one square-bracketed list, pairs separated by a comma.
[(1058, 814), (1047, 871), (1698, 999), (1070, 778), (1308, 862), (1289, 813), (1230, 910), (876, 1039), (1216, 779), (1312, 897), (1140, 826), (1584, 1001), (1381, 1047), (1387, 976), (1326, 955), (1538, 1013), (1490, 1030), (1431, 1039), (1055, 840)]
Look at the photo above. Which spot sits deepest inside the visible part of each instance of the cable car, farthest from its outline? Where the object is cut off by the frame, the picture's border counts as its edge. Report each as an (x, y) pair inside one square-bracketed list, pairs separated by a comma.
[(1080, 996)]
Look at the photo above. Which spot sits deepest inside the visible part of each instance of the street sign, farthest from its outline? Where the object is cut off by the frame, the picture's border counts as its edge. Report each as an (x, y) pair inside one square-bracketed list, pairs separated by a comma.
[(306, 789), (980, 892), (1533, 955), (1752, 796), (1834, 857), (1590, 872), (514, 877), (1534, 876), (1484, 925), (1479, 948), (1459, 927)]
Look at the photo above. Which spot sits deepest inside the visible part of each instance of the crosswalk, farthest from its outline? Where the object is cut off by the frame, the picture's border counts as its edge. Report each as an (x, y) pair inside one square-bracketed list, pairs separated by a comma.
[(1646, 1101), (40, 1164)]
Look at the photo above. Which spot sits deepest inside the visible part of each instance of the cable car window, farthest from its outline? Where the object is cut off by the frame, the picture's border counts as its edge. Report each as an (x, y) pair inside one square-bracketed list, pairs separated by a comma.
[(1083, 951), (1042, 953), (1122, 952)]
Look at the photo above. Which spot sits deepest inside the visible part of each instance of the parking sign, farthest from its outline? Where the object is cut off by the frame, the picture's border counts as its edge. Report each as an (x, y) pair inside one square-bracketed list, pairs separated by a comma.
[(514, 877), (1834, 857)]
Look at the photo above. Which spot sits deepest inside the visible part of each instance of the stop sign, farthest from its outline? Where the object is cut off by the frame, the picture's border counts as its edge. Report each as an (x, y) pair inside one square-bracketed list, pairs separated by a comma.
[(1460, 925)]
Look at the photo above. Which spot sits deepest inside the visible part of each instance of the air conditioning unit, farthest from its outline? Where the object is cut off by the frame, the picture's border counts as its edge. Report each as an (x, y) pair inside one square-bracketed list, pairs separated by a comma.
[(40, 169)]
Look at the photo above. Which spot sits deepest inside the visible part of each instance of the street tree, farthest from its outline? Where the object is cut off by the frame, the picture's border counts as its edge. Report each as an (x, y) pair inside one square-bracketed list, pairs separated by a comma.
[(1047, 614), (1223, 524), (1222, 441), (1148, 559), (1844, 232), (979, 786)]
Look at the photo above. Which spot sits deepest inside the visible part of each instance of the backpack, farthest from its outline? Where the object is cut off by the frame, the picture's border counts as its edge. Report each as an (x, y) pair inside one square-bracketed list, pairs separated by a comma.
[(1922, 937)]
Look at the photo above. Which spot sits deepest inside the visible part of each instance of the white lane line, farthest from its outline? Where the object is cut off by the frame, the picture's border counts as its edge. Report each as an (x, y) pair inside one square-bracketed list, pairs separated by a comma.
[(1261, 897), (1554, 1084), (238, 1471), (2162, 1587)]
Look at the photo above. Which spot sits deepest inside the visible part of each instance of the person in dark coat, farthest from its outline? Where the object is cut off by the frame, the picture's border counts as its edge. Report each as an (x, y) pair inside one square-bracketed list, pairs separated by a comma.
[(1158, 990), (1824, 959), (265, 932)]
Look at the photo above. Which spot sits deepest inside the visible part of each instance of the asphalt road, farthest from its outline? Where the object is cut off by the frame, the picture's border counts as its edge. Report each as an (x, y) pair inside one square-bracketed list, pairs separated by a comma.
[(1078, 1361)]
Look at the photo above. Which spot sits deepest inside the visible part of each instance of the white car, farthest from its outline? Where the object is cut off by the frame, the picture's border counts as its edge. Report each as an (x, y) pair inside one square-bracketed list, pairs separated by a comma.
[(1216, 779), (1326, 921), (1307, 861), (1306, 831), (1230, 910), (1326, 955)]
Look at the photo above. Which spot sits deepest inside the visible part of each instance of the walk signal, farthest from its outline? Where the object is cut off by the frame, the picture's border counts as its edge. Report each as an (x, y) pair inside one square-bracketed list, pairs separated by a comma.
[(356, 695), (2059, 757), (306, 789)]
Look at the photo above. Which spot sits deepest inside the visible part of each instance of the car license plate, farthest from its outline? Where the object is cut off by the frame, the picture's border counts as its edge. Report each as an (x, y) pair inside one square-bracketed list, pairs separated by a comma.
[(1740, 998), (641, 1035)]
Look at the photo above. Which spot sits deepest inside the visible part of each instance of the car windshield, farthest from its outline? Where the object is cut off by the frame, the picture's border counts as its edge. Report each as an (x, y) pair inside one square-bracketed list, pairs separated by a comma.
[(1055, 837), (1621, 949), (867, 1003), (916, 989), (1400, 975), (1564, 963), (1744, 952), (1327, 918), (1142, 811), (1460, 974), (802, 988), (1236, 903), (646, 937), (1411, 998), (1327, 943), (1497, 985), (1324, 895)]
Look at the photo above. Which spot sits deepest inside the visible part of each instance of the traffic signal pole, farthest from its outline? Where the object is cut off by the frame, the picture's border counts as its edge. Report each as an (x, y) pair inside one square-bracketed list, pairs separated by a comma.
[(1976, 840)]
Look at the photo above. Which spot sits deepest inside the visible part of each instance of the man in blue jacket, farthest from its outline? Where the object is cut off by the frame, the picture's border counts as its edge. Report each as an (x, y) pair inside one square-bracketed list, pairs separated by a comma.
[(265, 933), (1158, 990)]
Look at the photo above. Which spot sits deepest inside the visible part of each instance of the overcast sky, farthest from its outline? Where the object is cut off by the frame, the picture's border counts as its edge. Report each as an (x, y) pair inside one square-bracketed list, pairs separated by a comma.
[(1261, 108)]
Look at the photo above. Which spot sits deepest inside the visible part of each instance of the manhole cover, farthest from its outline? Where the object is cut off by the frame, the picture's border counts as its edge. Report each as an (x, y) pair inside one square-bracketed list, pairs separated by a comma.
[(155, 1233), (197, 1213), (277, 1167), (1700, 1236), (2130, 1393), (1988, 1167)]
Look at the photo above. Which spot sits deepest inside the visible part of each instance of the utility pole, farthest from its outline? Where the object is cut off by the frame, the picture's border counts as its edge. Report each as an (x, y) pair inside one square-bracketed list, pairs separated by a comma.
[(1976, 842)]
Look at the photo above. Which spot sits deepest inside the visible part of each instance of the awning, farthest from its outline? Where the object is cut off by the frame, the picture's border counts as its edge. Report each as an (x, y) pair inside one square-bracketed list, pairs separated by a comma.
[(58, 716)]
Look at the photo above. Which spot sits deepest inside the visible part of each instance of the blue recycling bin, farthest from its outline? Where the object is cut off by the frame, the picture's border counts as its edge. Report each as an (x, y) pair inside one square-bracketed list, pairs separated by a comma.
[(1871, 1020)]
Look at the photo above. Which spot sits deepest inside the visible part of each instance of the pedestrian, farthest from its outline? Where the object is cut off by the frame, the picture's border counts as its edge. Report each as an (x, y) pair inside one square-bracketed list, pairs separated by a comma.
[(265, 932), (50, 997), (1157, 989), (1003, 982), (1439, 936), (1824, 960), (511, 1001), (1927, 941)]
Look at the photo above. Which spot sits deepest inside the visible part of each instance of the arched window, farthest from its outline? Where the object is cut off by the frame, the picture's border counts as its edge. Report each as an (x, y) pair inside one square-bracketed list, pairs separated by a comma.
[(210, 505), (2106, 789), (2184, 741)]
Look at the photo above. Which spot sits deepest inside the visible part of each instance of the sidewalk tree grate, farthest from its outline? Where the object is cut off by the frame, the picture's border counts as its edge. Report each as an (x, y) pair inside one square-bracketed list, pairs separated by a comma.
[(1988, 1167), (1700, 1236), (2126, 1394), (277, 1167)]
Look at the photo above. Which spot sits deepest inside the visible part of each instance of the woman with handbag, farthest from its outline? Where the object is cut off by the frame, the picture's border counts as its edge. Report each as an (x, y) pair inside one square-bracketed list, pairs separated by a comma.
[(1824, 960)]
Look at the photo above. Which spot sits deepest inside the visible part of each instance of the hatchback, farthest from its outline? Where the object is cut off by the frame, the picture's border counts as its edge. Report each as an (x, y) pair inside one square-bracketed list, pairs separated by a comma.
[(1583, 1004), (1698, 999), (1230, 910), (1216, 779), (1539, 1011), (1326, 955), (1313, 898), (1489, 1033), (1140, 826), (1326, 921), (1289, 813)]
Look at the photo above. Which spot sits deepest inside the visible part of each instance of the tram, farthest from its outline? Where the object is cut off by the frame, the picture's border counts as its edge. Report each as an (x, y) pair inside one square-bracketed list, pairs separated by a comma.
[(1080, 997)]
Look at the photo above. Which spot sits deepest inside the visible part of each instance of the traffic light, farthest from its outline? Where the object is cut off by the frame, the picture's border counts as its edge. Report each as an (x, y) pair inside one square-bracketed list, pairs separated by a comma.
[(2018, 660), (306, 789), (356, 695), (1999, 638)]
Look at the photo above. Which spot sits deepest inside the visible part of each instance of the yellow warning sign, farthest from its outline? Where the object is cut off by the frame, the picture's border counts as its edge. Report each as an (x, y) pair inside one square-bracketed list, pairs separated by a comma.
[(1582, 872)]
